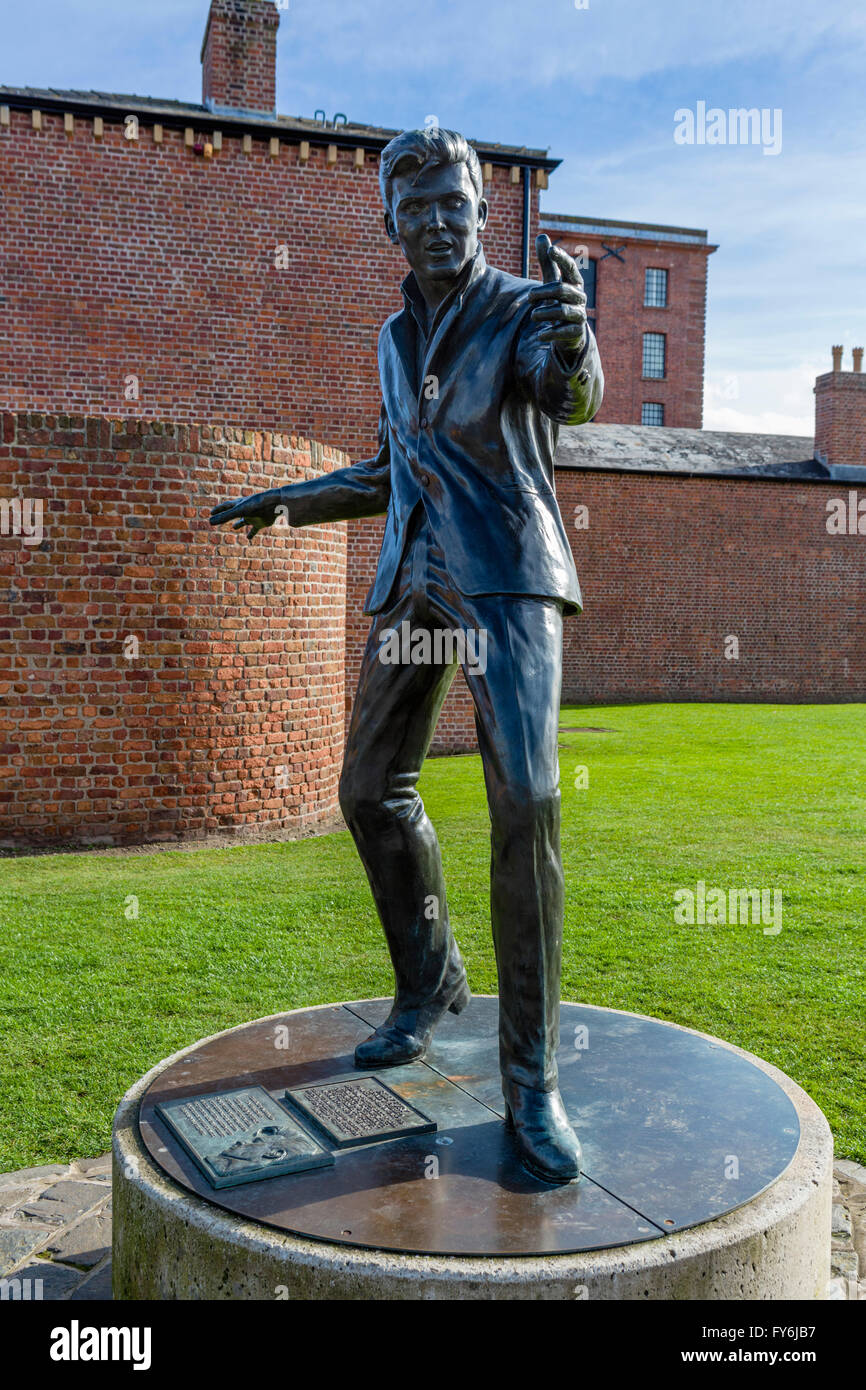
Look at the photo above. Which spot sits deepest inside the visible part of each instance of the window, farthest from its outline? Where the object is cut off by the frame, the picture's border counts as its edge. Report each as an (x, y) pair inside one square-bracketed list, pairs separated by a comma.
[(654, 355), (655, 294), (651, 413)]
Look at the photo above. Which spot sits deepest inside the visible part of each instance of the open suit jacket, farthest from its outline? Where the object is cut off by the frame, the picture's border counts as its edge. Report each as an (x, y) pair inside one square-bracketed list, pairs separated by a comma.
[(469, 431)]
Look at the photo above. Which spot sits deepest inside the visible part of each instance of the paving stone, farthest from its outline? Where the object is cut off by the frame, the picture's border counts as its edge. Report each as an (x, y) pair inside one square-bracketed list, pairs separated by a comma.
[(12, 1197), (22, 1175), (96, 1287), (86, 1243), (63, 1202), (46, 1281), (94, 1167), (848, 1171), (844, 1264), (18, 1243)]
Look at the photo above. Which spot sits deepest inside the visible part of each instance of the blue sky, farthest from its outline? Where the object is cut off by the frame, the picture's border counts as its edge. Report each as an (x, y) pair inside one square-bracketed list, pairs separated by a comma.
[(598, 86)]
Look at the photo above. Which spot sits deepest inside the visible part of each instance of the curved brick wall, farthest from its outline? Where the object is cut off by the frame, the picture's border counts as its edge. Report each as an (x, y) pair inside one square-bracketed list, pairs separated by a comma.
[(229, 715)]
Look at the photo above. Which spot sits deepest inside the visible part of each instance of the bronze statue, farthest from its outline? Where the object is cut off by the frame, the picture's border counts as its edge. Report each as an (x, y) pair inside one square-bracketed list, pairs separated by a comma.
[(477, 371)]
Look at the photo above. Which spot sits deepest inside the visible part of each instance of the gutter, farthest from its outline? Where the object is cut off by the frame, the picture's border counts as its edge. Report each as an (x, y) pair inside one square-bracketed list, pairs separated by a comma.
[(262, 125)]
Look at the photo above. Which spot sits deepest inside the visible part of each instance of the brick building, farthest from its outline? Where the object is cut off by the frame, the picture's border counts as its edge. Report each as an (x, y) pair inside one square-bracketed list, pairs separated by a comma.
[(647, 293), (192, 294)]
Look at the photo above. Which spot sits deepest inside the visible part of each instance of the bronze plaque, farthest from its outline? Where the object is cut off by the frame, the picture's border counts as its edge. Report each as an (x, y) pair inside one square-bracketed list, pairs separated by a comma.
[(241, 1136), (360, 1111)]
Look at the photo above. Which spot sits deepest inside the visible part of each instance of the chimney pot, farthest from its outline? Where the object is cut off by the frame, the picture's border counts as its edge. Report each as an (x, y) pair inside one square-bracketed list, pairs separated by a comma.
[(857, 354), (239, 57), (837, 358)]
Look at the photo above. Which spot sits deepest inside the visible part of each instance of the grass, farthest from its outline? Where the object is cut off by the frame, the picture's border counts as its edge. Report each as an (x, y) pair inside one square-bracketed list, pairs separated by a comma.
[(737, 795)]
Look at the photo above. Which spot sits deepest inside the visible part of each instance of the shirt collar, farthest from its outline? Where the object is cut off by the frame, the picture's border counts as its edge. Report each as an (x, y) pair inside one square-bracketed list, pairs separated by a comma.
[(416, 304)]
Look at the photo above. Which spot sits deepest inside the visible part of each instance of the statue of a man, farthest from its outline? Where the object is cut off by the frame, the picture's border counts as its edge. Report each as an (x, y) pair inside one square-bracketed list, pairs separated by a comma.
[(477, 371)]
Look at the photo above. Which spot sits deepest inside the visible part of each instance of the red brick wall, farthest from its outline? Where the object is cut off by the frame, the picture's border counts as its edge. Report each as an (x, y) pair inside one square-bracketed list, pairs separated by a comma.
[(239, 55), (230, 713), (122, 258), (840, 418), (622, 319), (671, 566)]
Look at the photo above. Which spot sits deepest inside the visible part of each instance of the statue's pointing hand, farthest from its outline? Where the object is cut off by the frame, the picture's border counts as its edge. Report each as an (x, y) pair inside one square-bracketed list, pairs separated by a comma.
[(252, 514), (560, 302)]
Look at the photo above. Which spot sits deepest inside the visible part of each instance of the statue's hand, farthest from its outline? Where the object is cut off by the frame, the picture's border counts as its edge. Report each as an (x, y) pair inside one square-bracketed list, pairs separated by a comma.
[(250, 513), (560, 302)]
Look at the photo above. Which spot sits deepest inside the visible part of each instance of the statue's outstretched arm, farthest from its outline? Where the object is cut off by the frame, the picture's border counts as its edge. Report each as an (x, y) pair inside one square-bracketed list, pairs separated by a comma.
[(363, 489)]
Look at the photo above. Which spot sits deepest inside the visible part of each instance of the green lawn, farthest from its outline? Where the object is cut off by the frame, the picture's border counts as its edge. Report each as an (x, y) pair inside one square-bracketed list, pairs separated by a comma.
[(736, 795)]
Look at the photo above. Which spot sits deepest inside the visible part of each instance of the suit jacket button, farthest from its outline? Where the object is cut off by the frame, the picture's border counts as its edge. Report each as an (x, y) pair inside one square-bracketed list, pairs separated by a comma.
[(424, 479)]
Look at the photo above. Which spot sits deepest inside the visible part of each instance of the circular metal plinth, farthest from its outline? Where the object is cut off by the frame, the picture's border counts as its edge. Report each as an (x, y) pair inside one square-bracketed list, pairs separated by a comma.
[(706, 1173)]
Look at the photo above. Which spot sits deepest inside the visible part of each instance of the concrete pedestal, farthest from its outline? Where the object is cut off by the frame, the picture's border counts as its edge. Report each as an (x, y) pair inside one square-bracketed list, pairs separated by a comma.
[(707, 1175)]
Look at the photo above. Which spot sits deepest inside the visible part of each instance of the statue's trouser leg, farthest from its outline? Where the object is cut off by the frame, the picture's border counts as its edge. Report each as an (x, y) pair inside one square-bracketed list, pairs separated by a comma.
[(517, 715), (393, 719)]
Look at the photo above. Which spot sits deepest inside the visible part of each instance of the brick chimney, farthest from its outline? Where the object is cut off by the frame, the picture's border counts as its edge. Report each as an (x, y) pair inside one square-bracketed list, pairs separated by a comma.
[(239, 57), (840, 414)]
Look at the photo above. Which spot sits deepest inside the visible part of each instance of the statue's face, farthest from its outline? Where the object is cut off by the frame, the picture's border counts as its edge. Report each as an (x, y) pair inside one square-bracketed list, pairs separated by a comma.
[(436, 220)]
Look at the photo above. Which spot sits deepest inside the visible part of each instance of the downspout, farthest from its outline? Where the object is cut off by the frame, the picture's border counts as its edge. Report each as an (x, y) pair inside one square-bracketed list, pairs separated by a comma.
[(527, 188)]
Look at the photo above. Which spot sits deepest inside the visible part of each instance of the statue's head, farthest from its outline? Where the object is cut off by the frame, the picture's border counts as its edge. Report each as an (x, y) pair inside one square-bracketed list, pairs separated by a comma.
[(432, 192)]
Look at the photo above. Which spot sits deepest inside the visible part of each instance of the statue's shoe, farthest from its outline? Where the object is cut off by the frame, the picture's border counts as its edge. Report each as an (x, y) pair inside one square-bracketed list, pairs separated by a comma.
[(405, 1037), (548, 1146)]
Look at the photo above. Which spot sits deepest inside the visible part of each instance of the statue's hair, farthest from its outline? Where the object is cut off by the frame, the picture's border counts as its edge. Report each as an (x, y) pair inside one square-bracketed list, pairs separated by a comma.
[(417, 150)]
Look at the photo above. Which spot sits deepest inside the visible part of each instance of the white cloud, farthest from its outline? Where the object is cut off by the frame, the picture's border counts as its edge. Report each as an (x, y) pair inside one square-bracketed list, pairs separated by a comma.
[(770, 401), (626, 39), (759, 422)]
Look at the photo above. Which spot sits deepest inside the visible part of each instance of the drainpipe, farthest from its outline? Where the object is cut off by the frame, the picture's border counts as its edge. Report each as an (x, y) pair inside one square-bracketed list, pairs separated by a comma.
[(527, 191)]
